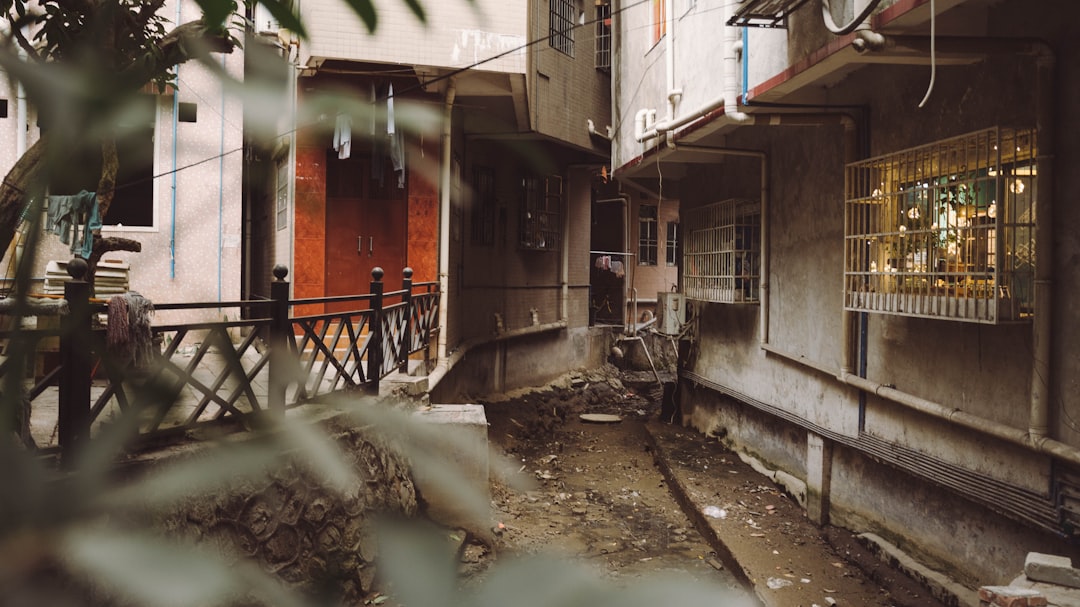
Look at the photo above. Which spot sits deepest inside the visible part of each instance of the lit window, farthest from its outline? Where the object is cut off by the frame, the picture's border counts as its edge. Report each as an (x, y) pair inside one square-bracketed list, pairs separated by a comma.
[(647, 235), (945, 230), (561, 24), (722, 251), (671, 245)]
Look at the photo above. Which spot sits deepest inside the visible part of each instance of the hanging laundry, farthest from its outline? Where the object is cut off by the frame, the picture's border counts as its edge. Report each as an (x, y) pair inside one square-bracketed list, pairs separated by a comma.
[(618, 269), (343, 136), (603, 262), (74, 219), (397, 140)]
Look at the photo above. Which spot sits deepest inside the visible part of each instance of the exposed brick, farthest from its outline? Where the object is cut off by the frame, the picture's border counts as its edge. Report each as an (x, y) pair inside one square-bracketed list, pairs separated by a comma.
[(1011, 596)]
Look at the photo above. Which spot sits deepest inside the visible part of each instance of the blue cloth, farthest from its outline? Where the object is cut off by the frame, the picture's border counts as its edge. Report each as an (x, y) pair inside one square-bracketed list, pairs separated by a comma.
[(74, 219)]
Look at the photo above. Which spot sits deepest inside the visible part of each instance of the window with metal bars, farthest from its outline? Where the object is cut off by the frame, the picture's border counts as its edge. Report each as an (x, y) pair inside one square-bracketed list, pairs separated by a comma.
[(540, 213), (945, 230), (722, 251), (483, 210), (561, 26), (671, 244), (603, 37)]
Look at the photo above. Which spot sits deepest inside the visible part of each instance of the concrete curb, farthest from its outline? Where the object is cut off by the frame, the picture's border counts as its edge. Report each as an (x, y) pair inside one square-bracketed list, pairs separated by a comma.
[(939, 585)]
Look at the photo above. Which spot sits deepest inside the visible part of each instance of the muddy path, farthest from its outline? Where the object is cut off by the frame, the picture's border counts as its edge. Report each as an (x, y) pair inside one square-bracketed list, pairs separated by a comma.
[(600, 493)]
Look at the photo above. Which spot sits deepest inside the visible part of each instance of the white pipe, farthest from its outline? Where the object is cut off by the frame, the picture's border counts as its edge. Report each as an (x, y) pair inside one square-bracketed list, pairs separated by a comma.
[(444, 221), (728, 100), (731, 85), (673, 94)]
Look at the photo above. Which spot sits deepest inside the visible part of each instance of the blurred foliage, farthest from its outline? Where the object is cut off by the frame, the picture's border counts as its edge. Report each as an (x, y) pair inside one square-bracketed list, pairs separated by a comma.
[(66, 536)]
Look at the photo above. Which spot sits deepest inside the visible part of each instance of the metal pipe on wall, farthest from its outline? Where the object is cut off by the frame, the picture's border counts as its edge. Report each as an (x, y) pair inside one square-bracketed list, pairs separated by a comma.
[(444, 218)]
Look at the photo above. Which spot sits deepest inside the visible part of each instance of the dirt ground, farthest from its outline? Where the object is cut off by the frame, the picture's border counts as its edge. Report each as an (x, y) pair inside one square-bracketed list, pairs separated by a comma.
[(601, 494)]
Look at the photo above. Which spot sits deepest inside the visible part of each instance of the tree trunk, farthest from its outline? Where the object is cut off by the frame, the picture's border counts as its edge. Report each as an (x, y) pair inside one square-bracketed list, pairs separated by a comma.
[(15, 188)]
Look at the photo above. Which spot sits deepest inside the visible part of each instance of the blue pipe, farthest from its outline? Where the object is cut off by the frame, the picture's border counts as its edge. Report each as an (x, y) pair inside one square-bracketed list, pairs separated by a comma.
[(745, 62), (175, 120)]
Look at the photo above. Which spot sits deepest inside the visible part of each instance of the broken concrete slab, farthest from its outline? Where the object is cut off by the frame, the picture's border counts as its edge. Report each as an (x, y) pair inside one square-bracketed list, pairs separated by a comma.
[(1051, 569)]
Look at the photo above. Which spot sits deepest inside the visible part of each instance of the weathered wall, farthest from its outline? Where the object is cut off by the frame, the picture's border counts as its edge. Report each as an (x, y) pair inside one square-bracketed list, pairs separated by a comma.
[(982, 370), (457, 34), (193, 250), (531, 360)]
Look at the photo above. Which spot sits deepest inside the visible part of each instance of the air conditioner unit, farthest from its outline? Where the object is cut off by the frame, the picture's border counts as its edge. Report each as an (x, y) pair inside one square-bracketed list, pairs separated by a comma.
[(671, 312)]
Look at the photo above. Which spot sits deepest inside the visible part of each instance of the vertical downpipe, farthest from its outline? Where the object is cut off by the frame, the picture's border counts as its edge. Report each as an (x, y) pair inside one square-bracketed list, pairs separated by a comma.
[(444, 219), (847, 318), (763, 288), (175, 169), (221, 184), (1044, 248)]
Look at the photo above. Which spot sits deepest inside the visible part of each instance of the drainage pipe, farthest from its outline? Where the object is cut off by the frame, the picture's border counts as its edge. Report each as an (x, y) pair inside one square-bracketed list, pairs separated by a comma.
[(1042, 327), (444, 220)]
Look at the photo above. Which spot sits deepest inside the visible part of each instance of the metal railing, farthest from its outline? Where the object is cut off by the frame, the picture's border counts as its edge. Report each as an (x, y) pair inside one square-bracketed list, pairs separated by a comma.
[(213, 372)]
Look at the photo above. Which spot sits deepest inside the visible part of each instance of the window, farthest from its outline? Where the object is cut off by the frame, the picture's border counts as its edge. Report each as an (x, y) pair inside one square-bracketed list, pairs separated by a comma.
[(282, 197), (671, 245), (133, 199), (659, 20), (647, 235), (603, 37), (562, 26), (541, 201), (483, 211), (722, 252), (946, 230)]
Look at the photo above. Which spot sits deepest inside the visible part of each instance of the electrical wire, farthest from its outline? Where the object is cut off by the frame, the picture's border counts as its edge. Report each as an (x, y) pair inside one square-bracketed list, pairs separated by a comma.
[(933, 54)]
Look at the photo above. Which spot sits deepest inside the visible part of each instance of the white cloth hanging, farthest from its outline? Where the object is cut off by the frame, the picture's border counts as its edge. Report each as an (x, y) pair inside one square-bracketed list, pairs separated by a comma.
[(343, 135)]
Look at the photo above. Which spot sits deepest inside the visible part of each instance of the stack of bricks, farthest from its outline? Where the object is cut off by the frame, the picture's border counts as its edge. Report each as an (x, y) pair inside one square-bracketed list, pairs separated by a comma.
[(1010, 596)]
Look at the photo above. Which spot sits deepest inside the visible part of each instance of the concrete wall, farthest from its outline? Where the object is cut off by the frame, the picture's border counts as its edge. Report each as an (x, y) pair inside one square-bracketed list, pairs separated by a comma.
[(981, 370), (457, 34), (203, 264), (567, 91)]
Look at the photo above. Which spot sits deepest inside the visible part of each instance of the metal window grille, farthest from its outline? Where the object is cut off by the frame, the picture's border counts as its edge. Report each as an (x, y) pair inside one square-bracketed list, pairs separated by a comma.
[(540, 213), (561, 25), (483, 210), (945, 230), (282, 194), (722, 251), (764, 13), (647, 235), (603, 37), (671, 245)]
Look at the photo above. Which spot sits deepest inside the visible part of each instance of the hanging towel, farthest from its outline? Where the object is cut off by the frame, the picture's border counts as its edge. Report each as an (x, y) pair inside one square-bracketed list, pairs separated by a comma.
[(74, 219), (343, 135)]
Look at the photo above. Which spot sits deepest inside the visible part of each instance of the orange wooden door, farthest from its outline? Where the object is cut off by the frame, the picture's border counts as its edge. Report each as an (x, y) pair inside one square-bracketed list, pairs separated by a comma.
[(365, 227)]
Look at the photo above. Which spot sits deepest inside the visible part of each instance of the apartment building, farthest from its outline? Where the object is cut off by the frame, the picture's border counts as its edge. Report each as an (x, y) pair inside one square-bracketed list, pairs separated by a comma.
[(877, 254), (473, 165)]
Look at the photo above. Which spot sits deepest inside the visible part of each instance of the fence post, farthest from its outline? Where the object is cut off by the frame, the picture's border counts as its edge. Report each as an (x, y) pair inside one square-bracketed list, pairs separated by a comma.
[(74, 407), (375, 346), (280, 326), (406, 331)]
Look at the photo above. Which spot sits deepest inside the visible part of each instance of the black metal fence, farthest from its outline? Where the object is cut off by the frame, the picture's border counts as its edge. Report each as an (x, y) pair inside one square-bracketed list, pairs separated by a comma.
[(283, 353)]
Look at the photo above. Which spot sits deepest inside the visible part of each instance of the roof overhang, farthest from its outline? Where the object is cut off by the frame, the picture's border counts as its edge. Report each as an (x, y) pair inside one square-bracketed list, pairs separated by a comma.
[(904, 25)]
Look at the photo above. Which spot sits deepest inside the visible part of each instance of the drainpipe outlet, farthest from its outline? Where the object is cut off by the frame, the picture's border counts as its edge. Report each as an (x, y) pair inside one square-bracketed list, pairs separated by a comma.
[(868, 40)]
